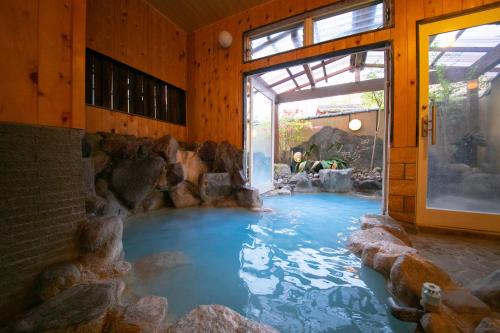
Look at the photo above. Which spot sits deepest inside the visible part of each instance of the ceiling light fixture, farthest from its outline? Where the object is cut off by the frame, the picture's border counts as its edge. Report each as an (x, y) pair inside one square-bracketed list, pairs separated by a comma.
[(225, 39)]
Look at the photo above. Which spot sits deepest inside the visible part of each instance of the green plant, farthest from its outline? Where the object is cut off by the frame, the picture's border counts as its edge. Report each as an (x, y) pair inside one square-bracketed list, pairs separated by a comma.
[(336, 161)]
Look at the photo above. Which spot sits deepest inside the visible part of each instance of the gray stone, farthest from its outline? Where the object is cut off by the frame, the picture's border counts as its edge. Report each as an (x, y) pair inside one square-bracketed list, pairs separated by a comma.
[(408, 274), (119, 146), (388, 224), (167, 147), (337, 181), (57, 278), (144, 316), (81, 308), (193, 167), (114, 207), (95, 205), (488, 289), (249, 197), (174, 174), (100, 160), (182, 195), (367, 185), (381, 255), (302, 183), (93, 140), (281, 170), (152, 265), (360, 239), (132, 180), (153, 201), (488, 325), (101, 239), (145, 147), (217, 319), (215, 186), (228, 158), (207, 152)]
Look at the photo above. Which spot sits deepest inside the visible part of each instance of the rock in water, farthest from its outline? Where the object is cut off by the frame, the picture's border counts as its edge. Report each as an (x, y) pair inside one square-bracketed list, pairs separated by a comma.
[(57, 278), (144, 316), (360, 239), (182, 195), (132, 180), (249, 197), (408, 274), (488, 289), (193, 167), (488, 325), (337, 181), (382, 255), (101, 239), (282, 170), (217, 319), (302, 183), (152, 265), (386, 223), (215, 186), (81, 308), (167, 147)]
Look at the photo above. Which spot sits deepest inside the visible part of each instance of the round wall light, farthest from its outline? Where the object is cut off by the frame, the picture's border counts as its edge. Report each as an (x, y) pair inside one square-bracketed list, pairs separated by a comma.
[(355, 125), (225, 39)]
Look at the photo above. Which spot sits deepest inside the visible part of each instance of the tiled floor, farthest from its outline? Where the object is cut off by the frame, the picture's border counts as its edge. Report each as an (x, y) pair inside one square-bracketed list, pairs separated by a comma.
[(465, 258)]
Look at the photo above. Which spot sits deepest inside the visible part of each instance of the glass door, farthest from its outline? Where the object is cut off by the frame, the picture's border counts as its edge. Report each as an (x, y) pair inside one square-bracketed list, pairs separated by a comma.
[(261, 138), (459, 145)]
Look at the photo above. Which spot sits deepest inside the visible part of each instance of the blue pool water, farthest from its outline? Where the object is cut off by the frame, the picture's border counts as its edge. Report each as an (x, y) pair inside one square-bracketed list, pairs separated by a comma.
[(288, 268)]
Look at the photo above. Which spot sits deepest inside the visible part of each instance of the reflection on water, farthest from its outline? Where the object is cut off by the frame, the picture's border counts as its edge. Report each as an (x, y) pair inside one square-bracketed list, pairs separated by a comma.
[(288, 268)]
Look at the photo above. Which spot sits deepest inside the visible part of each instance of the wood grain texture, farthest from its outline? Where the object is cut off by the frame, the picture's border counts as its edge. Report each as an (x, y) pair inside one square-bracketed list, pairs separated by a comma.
[(41, 62), (103, 120), (135, 33)]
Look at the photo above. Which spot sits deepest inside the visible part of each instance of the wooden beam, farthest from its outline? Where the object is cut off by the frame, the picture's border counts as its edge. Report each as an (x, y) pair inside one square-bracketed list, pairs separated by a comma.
[(309, 74), (261, 85), (335, 90), (337, 72), (487, 62), (324, 70), (291, 76)]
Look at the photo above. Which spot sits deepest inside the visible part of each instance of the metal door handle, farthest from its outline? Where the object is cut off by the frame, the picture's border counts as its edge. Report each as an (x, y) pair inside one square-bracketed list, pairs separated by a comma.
[(429, 125), (433, 126)]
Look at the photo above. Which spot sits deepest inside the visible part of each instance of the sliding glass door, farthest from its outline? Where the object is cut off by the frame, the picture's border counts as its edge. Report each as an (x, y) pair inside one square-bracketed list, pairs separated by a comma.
[(459, 147), (260, 137)]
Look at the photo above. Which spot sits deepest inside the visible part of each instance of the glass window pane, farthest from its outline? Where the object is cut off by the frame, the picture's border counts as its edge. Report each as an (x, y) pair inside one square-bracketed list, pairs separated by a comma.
[(464, 160), (350, 23), (277, 42)]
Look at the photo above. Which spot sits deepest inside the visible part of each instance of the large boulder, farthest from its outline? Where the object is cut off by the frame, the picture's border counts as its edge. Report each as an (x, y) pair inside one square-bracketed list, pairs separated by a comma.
[(408, 274), (100, 160), (215, 186), (228, 158), (249, 197), (95, 205), (444, 321), (57, 278), (81, 308), (93, 141), (388, 224), (144, 316), (167, 147), (193, 167), (302, 183), (152, 265), (282, 170), (183, 195), (174, 174), (101, 239), (337, 181), (145, 147), (119, 146), (153, 201), (133, 179), (360, 239), (488, 289), (382, 255), (217, 319), (488, 325), (207, 152), (367, 185)]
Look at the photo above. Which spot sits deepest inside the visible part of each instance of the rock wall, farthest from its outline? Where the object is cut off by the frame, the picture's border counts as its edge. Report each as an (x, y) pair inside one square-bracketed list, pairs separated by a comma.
[(133, 175), (41, 207)]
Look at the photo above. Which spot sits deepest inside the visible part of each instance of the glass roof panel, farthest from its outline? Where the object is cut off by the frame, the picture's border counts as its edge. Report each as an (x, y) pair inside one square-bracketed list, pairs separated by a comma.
[(481, 36), (288, 85), (275, 76), (462, 59), (277, 42)]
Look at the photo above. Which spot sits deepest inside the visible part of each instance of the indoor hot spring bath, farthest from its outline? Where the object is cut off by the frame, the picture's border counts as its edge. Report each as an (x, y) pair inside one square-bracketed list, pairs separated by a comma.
[(288, 268)]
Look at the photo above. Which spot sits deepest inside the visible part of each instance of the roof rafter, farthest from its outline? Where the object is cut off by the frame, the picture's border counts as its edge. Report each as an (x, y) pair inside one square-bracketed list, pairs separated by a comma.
[(309, 74)]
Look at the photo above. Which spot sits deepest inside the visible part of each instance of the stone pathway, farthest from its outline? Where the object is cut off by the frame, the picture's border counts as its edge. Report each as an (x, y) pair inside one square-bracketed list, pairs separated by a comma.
[(465, 258)]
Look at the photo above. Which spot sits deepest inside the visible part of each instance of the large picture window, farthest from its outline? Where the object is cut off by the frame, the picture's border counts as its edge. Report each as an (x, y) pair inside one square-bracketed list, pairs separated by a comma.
[(116, 86), (332, 22)]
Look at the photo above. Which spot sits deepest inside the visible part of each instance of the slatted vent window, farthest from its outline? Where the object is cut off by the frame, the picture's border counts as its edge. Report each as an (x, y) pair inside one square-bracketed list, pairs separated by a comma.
[(339, 20), (116, 86)]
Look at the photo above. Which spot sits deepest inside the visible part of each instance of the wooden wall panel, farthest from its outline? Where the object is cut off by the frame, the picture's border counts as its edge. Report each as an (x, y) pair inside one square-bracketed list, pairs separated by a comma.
[(103, 120), (42, 62), (135, 33), (215, 98)]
